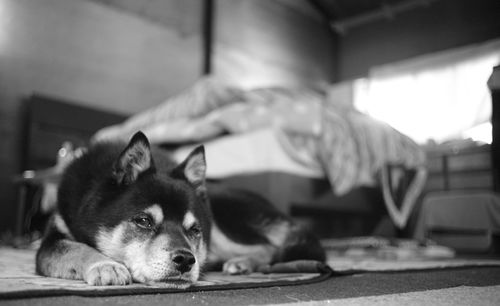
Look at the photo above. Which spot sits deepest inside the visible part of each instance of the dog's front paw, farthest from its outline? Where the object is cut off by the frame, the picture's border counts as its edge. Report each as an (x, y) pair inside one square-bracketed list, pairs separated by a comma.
[(238, 265), (106, 273)]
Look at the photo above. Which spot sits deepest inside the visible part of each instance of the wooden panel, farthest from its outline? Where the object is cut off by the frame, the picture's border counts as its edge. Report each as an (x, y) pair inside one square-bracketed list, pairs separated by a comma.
[(52, 122), (471, 180), (69, 114), (494, 84), (435, 164), (90, 54), (264, 42), (170, 13), (445, 24), (465, 168), (434, 183), (44, 144), (473, 161)]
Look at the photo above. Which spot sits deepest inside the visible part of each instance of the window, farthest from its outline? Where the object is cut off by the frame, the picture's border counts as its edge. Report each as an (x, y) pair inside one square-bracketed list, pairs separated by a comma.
[(438, 97)]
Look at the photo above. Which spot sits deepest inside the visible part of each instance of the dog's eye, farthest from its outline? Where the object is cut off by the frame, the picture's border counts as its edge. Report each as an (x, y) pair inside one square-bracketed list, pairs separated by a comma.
[(194, 230), (144, 222)]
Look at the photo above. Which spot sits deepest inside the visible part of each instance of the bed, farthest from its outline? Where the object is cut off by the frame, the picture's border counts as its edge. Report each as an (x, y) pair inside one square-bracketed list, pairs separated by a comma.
[(302, 149), (312, 156)]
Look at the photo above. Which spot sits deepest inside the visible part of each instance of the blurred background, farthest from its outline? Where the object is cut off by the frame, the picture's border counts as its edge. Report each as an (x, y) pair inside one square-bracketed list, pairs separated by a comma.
[(354, 73)]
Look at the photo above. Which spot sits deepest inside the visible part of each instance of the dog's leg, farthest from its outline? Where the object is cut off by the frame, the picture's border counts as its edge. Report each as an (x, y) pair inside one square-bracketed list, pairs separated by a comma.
[(247, 263), (238, 258), (61, 257)]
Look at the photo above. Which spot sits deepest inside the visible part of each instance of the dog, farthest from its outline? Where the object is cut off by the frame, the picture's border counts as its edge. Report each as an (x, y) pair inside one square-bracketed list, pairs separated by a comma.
[(127, 213)]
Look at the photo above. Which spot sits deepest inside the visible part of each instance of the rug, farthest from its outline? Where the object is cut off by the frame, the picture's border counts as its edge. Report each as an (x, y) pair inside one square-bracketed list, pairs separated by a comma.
[(379, 254), (345, 257), (19, 280)]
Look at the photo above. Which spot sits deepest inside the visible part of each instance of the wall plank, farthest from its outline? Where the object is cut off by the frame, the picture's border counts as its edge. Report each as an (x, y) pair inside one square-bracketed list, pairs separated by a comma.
[(263, 42), (89, 52), (445, 24)]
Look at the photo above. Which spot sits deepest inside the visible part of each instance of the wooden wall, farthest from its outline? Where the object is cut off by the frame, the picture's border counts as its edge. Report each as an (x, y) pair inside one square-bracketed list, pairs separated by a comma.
[(125, 56), (444, 24), (91, 53), (263, 42)]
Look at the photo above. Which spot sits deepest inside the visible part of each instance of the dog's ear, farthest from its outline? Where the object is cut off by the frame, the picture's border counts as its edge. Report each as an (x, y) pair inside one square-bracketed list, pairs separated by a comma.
[(193, 168), (134, 160)]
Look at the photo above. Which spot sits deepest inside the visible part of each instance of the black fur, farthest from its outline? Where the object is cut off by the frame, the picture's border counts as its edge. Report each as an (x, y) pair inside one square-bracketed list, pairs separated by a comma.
[(245, 217), (114, 183), (112, 202)]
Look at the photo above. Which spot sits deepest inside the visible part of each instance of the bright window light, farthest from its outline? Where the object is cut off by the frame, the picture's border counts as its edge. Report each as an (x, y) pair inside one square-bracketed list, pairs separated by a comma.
[(480, 133), (438, 102)]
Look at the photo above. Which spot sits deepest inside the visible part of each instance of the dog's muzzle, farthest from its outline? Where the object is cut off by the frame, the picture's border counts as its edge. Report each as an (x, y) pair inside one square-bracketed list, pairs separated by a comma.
[(183, 261)]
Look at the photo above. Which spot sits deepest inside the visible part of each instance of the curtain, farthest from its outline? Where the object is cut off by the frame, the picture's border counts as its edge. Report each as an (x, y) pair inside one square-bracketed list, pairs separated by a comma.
[(436, 97)]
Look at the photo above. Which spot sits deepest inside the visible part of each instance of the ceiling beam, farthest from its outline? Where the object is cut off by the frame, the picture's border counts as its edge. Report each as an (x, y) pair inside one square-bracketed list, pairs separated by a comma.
[(385, 11)]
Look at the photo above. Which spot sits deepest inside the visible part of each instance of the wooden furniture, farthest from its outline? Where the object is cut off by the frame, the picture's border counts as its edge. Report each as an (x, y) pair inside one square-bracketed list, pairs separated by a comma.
[(460, 168), (49, 123), (467, 221), (494, 85)]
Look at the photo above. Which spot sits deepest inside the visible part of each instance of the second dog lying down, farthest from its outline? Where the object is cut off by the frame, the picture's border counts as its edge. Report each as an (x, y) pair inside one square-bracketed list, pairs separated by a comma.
[(126, 213)]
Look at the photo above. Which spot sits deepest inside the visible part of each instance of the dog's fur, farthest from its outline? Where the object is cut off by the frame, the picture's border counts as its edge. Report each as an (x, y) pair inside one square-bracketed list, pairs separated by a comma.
[(128, 213)]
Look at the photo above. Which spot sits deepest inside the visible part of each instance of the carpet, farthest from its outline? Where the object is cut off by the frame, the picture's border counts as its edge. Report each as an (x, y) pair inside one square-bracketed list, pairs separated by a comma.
[(378, 254), (18, 279), (345, 257)]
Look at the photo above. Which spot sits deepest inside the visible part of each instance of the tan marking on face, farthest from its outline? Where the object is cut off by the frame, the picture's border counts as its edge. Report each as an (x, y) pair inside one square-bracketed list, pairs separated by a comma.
[(151, 261), (201, 256), (109, 242), (189, 220), (199, 249), (148, 260), (156, 213)]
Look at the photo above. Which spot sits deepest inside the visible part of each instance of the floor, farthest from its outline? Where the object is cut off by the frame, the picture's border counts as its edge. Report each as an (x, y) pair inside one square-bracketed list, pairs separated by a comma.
[(360, 285)]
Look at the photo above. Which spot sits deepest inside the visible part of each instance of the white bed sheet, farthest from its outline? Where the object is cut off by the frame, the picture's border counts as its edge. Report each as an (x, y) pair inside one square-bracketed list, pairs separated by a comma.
[(249, 153)]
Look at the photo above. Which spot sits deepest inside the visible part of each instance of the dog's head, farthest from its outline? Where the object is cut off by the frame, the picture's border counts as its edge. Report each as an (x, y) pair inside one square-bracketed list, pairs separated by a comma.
[(158, 219)]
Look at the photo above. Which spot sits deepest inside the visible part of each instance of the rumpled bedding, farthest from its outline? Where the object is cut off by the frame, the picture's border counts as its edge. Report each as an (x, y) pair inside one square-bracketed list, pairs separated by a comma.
[(353, 148), (348, 147)]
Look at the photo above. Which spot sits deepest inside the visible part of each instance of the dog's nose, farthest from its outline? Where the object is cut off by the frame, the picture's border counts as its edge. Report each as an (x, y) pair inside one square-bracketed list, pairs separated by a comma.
[(183, 261)]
